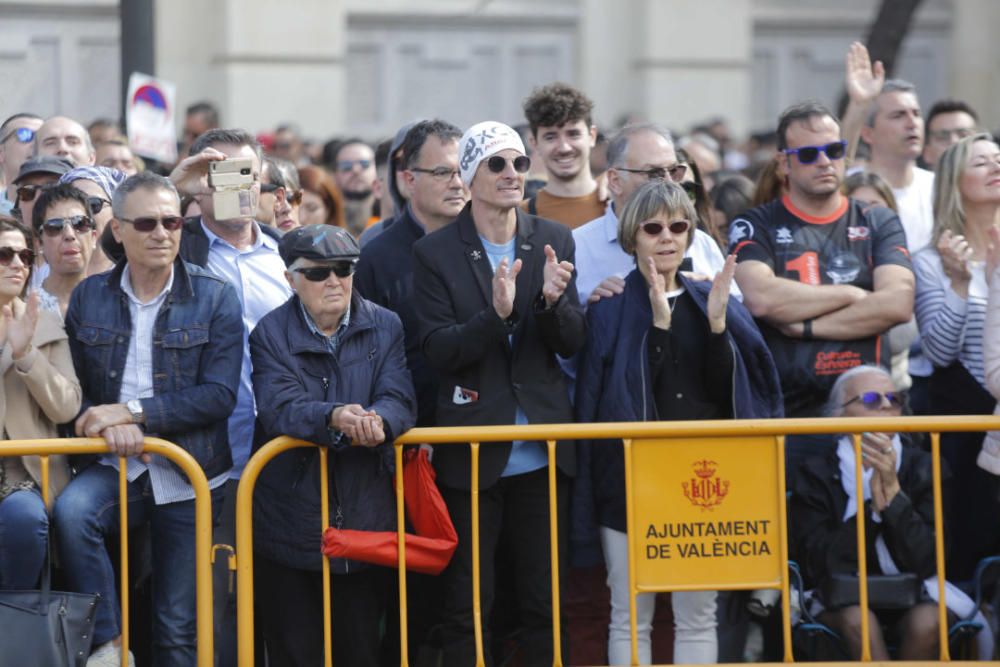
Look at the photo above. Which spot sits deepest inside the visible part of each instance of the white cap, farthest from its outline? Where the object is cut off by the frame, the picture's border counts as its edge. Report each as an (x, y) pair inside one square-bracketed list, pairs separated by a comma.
[(483, 140)]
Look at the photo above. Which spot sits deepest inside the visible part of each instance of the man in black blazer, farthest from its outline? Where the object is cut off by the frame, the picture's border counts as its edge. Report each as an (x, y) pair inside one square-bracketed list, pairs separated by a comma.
[(496, 301)]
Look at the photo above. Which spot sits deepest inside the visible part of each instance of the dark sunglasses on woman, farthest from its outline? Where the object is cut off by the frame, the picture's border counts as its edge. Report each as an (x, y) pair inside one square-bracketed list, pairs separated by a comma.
[(97, 204), (872, 400), (25, 254), (675, 227)]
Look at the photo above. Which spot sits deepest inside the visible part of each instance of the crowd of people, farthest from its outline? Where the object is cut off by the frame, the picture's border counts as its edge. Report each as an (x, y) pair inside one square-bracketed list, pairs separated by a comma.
[(546, 273)]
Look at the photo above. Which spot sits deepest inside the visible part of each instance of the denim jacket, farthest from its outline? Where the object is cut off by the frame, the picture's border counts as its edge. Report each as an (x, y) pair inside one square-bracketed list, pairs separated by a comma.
[(197, 351)]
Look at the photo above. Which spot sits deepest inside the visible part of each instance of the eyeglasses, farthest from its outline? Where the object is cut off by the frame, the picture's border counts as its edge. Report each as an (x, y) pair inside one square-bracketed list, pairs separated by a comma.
[(348, 165), (81, 224), (27, 192), (676, 227), (809, 154), (872, 400), (676, 172), (24, 135), (171, 223), (293, 198), (7, 255), (267, 188), (318, 274), (943, 136), (694, 190), (497, 163), (442, 173), (97, 204)]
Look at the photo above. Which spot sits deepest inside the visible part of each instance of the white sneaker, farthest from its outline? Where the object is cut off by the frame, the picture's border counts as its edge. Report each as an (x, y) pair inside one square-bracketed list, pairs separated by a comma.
[(109, 655)]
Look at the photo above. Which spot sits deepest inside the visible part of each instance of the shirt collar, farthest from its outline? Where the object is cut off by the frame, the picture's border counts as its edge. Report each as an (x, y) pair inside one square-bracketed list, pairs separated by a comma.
[(126, 285), (330, 340), (260, 238)]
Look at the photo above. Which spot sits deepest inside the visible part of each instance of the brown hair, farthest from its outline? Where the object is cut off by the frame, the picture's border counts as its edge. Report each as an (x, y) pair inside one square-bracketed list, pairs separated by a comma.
[(319, 182)]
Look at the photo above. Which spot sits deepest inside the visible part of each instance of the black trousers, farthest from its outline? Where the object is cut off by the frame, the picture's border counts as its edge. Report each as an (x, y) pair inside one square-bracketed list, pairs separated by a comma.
[(290, 606), (514, 518)]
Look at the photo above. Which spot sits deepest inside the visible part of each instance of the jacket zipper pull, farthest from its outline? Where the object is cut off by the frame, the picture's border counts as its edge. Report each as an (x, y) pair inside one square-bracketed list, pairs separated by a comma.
[(338, 520), (326, 384)]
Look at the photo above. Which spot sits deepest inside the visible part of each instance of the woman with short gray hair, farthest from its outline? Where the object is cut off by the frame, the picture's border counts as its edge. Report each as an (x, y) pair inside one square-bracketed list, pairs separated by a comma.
[(666, 348)]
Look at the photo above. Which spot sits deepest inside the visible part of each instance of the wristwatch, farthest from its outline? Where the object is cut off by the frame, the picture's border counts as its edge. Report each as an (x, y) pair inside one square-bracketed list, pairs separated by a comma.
[(135, 409)]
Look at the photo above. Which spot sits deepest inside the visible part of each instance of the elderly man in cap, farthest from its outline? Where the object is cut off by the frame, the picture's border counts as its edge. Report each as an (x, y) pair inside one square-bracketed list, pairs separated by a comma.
[(328, 367), (496, 302), (36, 173)]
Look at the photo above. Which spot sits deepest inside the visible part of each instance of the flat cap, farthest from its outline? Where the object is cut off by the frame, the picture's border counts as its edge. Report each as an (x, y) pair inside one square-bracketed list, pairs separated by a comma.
[(43, 164), (320, 243)]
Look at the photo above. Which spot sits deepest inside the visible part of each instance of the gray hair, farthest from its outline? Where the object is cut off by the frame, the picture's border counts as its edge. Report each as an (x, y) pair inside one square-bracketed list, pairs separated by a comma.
[(649, 200), (835, 403), (144, 180), (890, 86), (618, 146), (232, 137)]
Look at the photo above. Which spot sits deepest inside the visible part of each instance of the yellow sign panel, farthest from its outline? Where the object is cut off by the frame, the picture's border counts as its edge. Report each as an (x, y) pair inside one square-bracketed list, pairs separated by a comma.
[(706, 512)]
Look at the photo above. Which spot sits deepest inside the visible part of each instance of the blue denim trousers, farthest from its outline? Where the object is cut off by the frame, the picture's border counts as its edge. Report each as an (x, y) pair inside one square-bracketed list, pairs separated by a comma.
[(24, 529), (86, 512)]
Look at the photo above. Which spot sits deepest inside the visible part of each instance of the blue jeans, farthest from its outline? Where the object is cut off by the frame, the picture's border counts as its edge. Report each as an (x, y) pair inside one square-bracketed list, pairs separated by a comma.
[(86, 512), (24, 529)]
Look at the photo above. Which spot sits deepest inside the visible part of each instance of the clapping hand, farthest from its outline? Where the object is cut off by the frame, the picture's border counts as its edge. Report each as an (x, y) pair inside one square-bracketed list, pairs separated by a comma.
[(658, 296), (504, 287), (18, 331), (955, 253), (877, 451), (718, 297), (556, 276)]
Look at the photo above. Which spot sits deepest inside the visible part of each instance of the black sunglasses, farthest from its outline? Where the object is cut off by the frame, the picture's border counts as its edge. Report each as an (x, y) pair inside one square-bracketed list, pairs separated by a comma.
[(872, 400), (694, 190), (25, 254), (97, 204), (675, 227), (294, 198), (267, 188), (497, 163), (81, 224), (318, 274), (27, 192), (171, 223), (809, 154)]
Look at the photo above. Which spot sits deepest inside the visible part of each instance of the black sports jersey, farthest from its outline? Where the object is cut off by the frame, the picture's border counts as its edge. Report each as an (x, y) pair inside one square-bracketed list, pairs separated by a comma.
[(841, 251)]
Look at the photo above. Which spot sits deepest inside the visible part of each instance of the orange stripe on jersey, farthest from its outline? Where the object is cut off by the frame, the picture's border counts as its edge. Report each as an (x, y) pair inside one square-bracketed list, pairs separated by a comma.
[(739, 245), (802, 215), (906, 253)]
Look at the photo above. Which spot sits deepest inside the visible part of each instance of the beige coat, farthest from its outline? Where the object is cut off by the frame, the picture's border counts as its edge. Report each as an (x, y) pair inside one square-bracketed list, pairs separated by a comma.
[(33, 403)]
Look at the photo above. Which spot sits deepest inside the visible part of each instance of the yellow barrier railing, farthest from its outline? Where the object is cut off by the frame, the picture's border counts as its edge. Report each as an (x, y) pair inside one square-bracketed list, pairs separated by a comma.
[(45, 448), (627, 431)]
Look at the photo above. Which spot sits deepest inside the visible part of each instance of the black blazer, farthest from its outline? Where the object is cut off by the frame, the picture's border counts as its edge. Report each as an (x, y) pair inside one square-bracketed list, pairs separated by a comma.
[(469, 345)]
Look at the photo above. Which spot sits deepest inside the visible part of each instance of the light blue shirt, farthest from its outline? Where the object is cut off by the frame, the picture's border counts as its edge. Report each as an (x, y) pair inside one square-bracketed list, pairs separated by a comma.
[(524, 456), (599, 255), (258, 274)]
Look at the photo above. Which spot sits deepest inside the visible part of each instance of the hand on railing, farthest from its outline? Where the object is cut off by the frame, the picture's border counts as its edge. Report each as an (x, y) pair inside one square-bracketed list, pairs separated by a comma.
[(363, 427)]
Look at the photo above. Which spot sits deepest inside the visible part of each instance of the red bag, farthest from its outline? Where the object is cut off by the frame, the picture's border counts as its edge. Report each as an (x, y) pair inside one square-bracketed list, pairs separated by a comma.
[(429, 550)]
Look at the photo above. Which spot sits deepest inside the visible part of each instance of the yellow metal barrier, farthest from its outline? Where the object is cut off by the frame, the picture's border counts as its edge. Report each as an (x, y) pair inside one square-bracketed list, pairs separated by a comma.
[(203, 520), (630, 433)]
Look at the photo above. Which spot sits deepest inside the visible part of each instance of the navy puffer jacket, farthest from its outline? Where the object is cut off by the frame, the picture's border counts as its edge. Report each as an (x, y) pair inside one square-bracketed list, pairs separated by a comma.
[(297, 383)]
